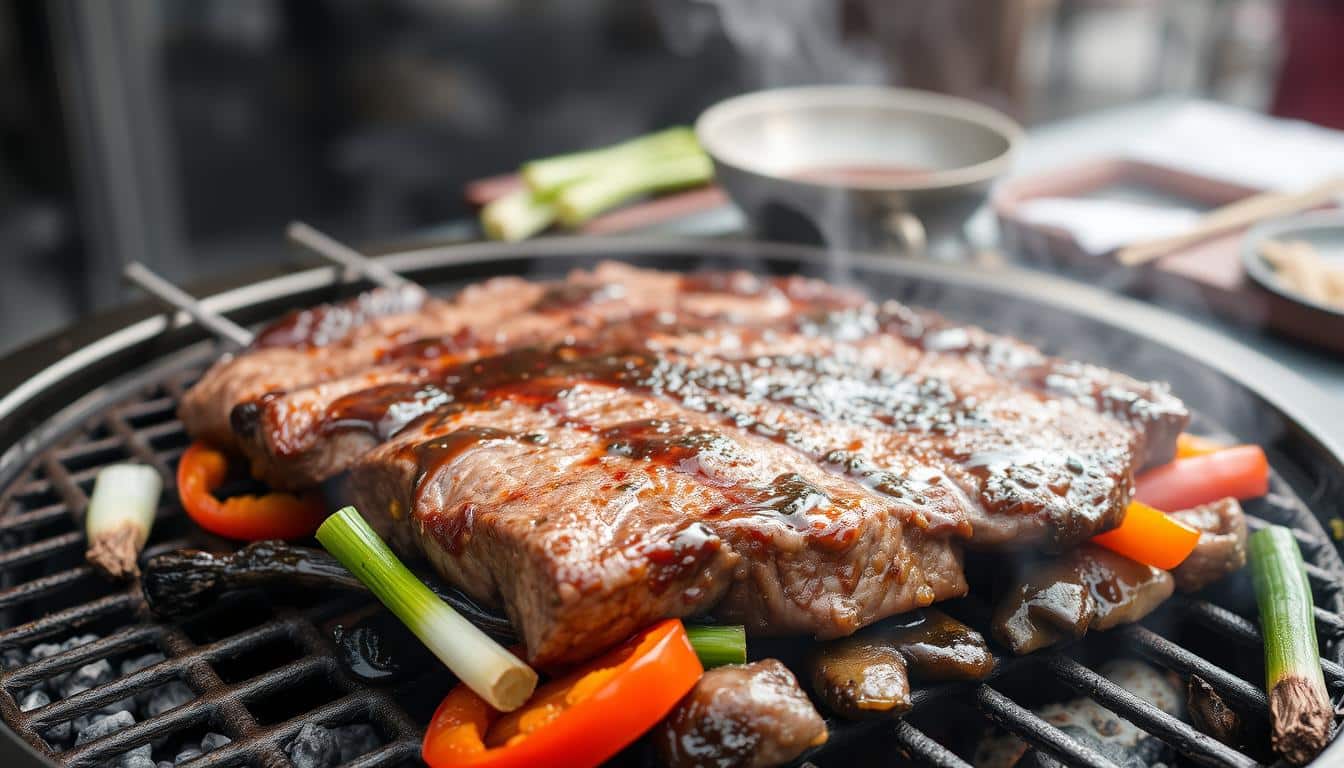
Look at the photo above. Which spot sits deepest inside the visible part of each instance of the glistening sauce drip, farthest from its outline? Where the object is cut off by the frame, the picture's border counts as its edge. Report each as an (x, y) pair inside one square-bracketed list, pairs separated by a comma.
[(540, 376), (432, 458), (835, 393)]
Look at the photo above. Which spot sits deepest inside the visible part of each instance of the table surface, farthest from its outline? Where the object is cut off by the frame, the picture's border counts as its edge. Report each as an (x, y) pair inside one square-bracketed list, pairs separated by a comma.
[(1107, 133), (1099, 134)]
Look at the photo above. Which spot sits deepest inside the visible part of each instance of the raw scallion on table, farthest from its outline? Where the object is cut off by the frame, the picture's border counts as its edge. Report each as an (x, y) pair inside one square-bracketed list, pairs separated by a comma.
[(485, 666), (588, 197), (120, 516), (517, 216), (549, 175), (1299, 704)]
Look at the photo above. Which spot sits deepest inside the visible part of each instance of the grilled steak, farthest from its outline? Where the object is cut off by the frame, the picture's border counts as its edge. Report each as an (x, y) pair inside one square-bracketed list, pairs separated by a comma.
[(625, 444), (593, 520)]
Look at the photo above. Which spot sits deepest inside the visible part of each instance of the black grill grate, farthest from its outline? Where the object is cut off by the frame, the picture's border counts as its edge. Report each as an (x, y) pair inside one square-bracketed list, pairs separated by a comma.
[(260, 697)]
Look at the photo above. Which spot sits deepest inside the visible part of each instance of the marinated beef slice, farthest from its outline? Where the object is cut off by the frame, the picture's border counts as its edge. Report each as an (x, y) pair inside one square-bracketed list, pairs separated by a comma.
[(625, 444), (590, 521)]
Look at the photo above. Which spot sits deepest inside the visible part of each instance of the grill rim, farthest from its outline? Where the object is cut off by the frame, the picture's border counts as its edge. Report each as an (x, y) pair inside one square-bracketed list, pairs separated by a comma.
[(1303, 406)]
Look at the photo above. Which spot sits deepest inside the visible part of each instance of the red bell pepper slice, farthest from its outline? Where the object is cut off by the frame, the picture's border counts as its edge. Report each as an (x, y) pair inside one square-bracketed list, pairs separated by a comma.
[(202, 469), (574, 721), (1241, 472)]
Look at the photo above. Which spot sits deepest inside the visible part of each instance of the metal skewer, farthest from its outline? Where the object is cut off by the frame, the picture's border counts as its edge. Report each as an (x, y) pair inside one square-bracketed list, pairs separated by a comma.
[(335, 251), (176, 297)]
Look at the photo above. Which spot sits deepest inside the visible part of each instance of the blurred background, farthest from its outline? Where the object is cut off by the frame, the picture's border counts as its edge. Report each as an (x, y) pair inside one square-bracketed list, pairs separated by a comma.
[(185, 133)]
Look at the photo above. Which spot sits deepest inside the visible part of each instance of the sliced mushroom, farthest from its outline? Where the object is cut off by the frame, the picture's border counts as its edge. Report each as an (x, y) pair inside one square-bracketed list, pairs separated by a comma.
[(856, 678), (1088, 588), (1221, 548), (740, 716), (868, 673)]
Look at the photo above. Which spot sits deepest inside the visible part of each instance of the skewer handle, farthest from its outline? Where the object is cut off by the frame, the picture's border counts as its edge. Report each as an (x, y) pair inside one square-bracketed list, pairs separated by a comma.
[(335, 251), (170, 294)]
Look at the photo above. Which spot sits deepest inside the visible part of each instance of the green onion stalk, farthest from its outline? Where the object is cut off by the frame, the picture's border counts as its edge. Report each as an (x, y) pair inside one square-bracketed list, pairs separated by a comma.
[(547, 176), (588, 197), (1299, 704), (717, 645), (485, 666), (517, 215)]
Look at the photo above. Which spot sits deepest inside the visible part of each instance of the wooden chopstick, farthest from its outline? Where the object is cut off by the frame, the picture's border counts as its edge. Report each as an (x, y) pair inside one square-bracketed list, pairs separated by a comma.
[(1229, 218)]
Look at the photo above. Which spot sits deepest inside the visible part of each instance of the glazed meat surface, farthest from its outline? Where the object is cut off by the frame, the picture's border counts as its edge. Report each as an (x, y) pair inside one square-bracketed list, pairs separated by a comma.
[(625, 444)]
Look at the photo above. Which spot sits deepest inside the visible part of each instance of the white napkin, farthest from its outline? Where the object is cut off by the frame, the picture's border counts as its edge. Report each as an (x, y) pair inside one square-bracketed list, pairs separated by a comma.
[(1245, 147), (1207, 139), (1102, 225)]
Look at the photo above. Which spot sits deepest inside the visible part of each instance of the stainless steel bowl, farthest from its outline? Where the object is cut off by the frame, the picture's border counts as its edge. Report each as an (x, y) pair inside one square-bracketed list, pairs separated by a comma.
[(786, 158)]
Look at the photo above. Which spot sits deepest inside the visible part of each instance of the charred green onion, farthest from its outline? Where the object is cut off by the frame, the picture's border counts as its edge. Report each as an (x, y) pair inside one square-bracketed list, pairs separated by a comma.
[(548, 175), (1299, 704), (120, 516), (588, 197), (517, 216), (717, 645), (485, 666)]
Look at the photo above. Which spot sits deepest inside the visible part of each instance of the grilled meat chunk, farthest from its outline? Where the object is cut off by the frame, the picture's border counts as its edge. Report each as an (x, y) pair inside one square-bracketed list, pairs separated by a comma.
[(1089, 588), (589, 521), (1221, 548), (323, 343), (748, 716)]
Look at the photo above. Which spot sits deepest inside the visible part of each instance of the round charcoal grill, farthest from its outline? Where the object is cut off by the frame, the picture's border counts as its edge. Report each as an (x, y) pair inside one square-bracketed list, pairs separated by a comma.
[(259, 666)]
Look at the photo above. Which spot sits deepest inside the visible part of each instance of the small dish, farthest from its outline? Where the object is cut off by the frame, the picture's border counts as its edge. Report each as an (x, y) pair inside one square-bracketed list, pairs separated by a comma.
[(857, 166), (1324, 230)]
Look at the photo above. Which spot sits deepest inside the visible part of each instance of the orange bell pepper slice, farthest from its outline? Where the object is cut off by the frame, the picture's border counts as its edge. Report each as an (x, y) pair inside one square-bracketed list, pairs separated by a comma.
[(1151, 537), (202, 469), (574, 721), (1241, 472), (1188, 445)]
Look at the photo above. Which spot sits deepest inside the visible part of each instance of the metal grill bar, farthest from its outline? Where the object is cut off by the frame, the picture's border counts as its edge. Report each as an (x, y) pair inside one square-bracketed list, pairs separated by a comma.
[(1024, 723), (41, 550), (919, 746), (43, 586), (39, 516), (1245, 632), (1186, 740), (1164, 652), (63, 621)]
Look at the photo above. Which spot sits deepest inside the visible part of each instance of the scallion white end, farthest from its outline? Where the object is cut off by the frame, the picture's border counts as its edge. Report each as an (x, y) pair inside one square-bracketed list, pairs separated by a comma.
[(120, 517)]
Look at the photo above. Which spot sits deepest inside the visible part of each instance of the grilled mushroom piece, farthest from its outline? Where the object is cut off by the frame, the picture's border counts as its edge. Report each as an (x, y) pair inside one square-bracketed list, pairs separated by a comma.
[(740, 716), (857, 678), (868, 673), (1088, 588), (1221, 549), (181, 582)]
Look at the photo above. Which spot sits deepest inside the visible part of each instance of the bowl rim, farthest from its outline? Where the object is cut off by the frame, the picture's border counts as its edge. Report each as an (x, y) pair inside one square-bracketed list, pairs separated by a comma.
[(809, 97), (1264, 274)]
